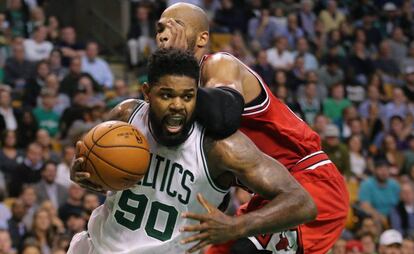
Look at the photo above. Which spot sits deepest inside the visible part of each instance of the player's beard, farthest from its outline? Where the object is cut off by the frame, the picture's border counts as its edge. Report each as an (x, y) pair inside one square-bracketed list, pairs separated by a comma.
[(168, 139)]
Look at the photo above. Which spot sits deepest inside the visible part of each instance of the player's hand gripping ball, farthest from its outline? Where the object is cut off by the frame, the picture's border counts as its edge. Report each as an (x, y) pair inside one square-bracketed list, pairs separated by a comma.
[(115, 154)]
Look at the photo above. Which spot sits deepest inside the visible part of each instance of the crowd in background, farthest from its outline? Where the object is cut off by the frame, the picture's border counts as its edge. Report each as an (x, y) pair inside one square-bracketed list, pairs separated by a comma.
[(345, 67)]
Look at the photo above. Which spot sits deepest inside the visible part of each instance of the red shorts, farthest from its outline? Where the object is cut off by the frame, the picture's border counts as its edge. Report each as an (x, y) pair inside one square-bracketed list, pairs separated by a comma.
[(327, 187)]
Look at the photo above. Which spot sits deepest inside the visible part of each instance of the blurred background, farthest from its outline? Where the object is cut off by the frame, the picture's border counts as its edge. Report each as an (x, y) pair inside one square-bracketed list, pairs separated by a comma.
[(345, 67)]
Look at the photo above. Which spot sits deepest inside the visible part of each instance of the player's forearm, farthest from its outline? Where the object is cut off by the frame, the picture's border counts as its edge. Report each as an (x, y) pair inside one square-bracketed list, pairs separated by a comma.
[(285, 211)]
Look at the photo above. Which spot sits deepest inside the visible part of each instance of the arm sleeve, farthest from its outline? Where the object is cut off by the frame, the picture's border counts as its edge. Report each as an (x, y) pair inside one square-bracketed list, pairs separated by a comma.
[(219, 110)]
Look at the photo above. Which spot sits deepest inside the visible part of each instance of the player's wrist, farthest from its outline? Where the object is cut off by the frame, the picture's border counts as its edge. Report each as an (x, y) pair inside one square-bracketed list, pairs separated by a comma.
[(242, 226)]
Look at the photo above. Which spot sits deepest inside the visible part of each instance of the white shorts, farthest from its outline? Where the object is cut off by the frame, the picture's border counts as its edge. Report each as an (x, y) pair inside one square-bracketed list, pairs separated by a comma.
[(81, 244)]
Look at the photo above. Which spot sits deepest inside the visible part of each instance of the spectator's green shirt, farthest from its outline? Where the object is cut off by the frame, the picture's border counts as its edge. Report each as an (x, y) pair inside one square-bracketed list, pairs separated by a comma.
[(382, 197), (47, 120), (333, 108)]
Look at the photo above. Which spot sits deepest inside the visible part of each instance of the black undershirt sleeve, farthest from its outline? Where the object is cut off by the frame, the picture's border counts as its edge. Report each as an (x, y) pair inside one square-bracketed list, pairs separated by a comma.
[(219, 110)]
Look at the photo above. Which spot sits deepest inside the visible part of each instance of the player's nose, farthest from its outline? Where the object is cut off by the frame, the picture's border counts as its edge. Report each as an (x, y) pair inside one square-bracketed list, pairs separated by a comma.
[(177, 104)]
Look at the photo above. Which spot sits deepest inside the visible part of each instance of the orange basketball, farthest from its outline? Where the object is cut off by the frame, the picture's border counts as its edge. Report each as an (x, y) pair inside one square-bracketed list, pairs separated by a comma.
[(116, 155)]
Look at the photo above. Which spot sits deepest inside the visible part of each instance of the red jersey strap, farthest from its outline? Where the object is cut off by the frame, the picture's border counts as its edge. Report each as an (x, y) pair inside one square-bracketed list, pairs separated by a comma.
[(311, 161)]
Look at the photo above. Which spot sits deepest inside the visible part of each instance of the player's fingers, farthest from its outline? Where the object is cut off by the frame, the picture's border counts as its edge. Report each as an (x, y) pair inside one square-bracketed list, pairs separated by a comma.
[(194, 216), (198, 246), (205, 203), (80, 176), (194, 238), (196, 227), (77, 164)]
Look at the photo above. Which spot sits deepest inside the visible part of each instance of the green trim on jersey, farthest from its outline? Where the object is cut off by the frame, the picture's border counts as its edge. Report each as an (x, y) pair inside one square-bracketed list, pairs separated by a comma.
[(203, 157)]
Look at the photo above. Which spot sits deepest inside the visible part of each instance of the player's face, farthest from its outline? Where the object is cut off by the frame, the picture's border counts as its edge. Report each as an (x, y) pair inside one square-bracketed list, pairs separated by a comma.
[(165, 33), (172, 103)]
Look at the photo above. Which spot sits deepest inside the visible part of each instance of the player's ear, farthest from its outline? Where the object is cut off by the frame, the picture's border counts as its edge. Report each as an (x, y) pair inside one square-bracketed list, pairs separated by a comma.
[(146, 90), (202, 39)]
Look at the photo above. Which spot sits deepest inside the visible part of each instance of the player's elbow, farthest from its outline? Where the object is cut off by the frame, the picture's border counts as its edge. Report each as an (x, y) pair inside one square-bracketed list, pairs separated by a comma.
[(308, 209)]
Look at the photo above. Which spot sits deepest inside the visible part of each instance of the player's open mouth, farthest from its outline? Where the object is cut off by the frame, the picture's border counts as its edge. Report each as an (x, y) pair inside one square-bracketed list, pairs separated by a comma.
[(174, 123)]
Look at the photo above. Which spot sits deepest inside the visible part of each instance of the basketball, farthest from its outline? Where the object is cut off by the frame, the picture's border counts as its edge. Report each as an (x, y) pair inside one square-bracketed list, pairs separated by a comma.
[(116, 155)]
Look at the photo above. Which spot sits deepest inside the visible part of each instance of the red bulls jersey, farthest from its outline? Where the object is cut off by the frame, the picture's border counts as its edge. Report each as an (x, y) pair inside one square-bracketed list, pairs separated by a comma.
[(276, 130)]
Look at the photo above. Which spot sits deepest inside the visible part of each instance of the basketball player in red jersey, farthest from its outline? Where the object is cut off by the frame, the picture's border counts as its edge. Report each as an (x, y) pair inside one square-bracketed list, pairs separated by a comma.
[(275, 129)]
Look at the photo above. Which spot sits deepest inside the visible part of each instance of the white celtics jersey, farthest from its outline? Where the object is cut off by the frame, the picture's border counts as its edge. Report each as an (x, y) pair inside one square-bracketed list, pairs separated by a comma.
[(146, 218)]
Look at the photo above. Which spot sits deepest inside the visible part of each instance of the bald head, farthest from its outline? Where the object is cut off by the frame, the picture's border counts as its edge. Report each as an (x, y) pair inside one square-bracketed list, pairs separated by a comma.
[(191, 15)]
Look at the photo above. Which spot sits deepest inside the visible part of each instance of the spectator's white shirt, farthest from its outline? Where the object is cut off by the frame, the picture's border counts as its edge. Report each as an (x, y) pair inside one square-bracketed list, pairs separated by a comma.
[(37, 51), (9, 118), (99, 70), (279, 61), (63, 175)]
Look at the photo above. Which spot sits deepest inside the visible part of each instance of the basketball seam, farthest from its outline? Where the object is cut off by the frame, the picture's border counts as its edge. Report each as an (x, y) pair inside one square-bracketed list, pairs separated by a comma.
[(110, 164), (97, 173), (93, 133), (129, 146)]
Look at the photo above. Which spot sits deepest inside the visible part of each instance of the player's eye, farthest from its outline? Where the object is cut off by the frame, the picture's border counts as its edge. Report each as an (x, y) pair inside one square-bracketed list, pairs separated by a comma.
[(187, 97), (166, 96)]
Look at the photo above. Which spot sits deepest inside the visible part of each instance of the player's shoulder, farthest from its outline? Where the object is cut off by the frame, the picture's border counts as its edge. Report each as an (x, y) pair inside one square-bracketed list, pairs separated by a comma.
[(125, 109), (220, 60)]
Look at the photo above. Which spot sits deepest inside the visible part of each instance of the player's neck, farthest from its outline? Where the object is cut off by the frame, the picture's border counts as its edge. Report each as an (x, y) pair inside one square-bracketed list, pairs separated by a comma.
[(199, 53)]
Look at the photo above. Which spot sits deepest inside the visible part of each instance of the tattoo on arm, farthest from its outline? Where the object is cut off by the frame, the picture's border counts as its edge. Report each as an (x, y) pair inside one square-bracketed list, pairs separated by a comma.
[(124, 110)]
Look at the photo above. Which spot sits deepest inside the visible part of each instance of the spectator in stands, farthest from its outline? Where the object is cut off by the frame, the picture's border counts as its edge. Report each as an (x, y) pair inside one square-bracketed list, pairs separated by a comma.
[(396, 107), (35, 85), (44, 140), (293, 32), (402, 216), (63, 168), (394, 157), (339, 247), (141, 36), (408, 87), (379, 194), (55, 64), (7, 113), (263, 68), (38, 48), (337, 152), (48, 189), (42, 231), (28, 171), (57, 223), (310, 104), (31, 248), (44, 114), (37, 18), (16, 227), (18, 70), (121, 93), (229, 17), (27, 128), (336, 103), (279, 56), (331, 73), (96, 66), (29, 198), (307, 18), (368, 243), (90, 202), (358, 163), (385, 63), (10, 156), (75, 223), (263, 29), (390, 242), (69, 83), (320, 123), (331, 17), (17, 16), (297, 75), (398, 45), (408, 60), (73, 113), (92, 96), (69, 45), (360, 66), (240, 49), (407, 246), (372, 33), (302, 49), (372, 98), (73, 203), (6, 243), (53, 29), (62, 100)]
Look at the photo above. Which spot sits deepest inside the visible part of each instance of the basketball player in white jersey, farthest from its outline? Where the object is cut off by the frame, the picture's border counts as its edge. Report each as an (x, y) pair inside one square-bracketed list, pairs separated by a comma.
[(188, 177)]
